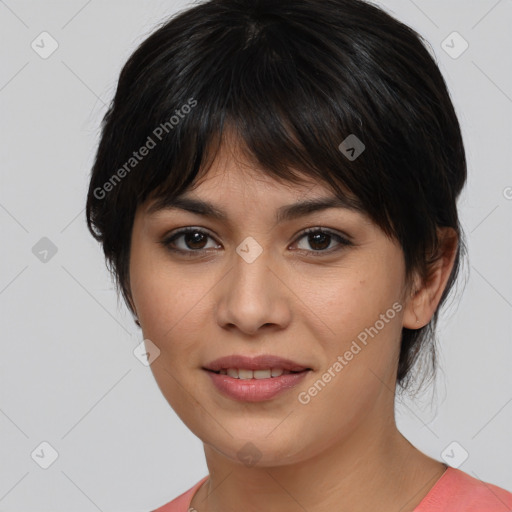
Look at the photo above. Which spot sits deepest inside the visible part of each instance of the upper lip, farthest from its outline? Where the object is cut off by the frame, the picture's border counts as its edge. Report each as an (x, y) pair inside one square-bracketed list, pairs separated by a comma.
[(262, 362)]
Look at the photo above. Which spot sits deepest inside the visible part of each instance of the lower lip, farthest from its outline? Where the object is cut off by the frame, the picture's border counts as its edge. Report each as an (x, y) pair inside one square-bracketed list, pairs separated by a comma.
[(255, 390)]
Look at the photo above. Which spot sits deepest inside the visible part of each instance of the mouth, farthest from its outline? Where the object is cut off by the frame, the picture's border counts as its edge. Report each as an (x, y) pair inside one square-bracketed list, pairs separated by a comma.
[(255, 379), (263, 363), (246, 374)]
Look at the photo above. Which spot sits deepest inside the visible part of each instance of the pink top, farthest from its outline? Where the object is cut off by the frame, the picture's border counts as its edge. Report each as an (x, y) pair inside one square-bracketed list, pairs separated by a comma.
[(455, 491)]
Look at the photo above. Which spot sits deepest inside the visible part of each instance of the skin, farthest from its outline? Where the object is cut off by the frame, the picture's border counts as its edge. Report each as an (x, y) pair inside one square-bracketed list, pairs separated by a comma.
[(340, 451)]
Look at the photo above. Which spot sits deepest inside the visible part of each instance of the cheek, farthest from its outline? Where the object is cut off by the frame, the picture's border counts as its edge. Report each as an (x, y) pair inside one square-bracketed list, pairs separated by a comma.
[(166, 305), (172, 305), (362, 308), (156, 289), (352, 298)]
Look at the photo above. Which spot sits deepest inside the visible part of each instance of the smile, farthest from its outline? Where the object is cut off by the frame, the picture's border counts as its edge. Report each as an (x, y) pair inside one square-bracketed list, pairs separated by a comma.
[(245, 374)]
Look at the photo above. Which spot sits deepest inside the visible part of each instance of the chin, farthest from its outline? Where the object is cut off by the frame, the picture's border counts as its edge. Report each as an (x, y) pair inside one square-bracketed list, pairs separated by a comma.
[(260, 450)]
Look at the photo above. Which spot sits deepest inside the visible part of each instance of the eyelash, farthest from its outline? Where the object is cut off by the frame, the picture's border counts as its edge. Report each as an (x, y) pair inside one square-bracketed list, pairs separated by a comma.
[(169, 240)]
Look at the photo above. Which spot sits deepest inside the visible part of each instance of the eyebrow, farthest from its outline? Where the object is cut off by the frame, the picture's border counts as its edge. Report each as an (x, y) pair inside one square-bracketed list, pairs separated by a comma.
[(284, 213)]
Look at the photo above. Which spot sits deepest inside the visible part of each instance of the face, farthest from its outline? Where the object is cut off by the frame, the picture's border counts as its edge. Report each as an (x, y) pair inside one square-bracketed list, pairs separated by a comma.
[(323, 290)]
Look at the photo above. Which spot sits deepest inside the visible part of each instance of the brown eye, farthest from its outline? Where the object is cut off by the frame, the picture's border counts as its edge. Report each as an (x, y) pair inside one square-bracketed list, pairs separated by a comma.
[(194, 240), (319, 241), (187, 240)]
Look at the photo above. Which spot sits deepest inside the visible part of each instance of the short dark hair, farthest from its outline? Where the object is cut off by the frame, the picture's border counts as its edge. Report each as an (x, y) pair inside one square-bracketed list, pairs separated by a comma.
[(291, 79)]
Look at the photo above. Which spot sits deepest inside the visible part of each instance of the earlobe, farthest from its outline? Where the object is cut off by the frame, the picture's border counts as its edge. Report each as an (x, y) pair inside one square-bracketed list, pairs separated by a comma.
[(413, 314)]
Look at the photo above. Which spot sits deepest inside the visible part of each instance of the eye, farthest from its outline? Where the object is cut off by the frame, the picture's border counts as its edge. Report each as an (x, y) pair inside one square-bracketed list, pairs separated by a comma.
[(320, 239), (193, 241)]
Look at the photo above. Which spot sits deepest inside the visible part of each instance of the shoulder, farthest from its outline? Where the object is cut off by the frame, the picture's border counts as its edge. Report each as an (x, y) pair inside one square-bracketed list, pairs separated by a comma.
[(182, 502), (457, 491)]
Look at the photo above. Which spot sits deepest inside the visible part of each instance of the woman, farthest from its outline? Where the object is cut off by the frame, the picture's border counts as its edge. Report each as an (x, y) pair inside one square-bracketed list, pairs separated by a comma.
[(275, 190)]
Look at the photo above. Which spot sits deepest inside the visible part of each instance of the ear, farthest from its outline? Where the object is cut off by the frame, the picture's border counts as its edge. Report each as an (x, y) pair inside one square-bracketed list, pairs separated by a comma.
[(424, 299)]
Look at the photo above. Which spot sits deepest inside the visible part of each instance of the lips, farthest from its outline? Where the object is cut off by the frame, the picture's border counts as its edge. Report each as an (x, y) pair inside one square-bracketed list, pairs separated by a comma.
[(262, 362), (255, 379)]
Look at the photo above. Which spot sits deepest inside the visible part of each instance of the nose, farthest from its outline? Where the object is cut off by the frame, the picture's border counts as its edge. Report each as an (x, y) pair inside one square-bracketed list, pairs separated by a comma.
[(253, 295)]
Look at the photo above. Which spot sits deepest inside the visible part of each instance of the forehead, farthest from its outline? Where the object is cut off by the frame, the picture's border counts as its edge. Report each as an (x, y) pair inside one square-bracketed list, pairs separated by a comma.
[(227, 178), (234, 166), (224, 203), (234, 181)]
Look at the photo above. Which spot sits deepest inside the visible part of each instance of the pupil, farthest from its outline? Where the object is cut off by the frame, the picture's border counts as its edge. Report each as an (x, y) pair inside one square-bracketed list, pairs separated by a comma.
[(318, 237), (193, 238)]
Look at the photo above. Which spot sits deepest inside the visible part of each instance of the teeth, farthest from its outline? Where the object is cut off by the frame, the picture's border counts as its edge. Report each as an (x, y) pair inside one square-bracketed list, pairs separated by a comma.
[(245, 374), (240, 373), (262, 374)]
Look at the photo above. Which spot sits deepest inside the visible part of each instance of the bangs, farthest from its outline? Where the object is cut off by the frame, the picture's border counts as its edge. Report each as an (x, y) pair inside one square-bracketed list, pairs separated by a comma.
[(272, 101)]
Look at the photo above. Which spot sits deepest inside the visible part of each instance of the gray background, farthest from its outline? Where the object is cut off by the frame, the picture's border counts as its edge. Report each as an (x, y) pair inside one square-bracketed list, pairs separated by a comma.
[(68, 373)]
